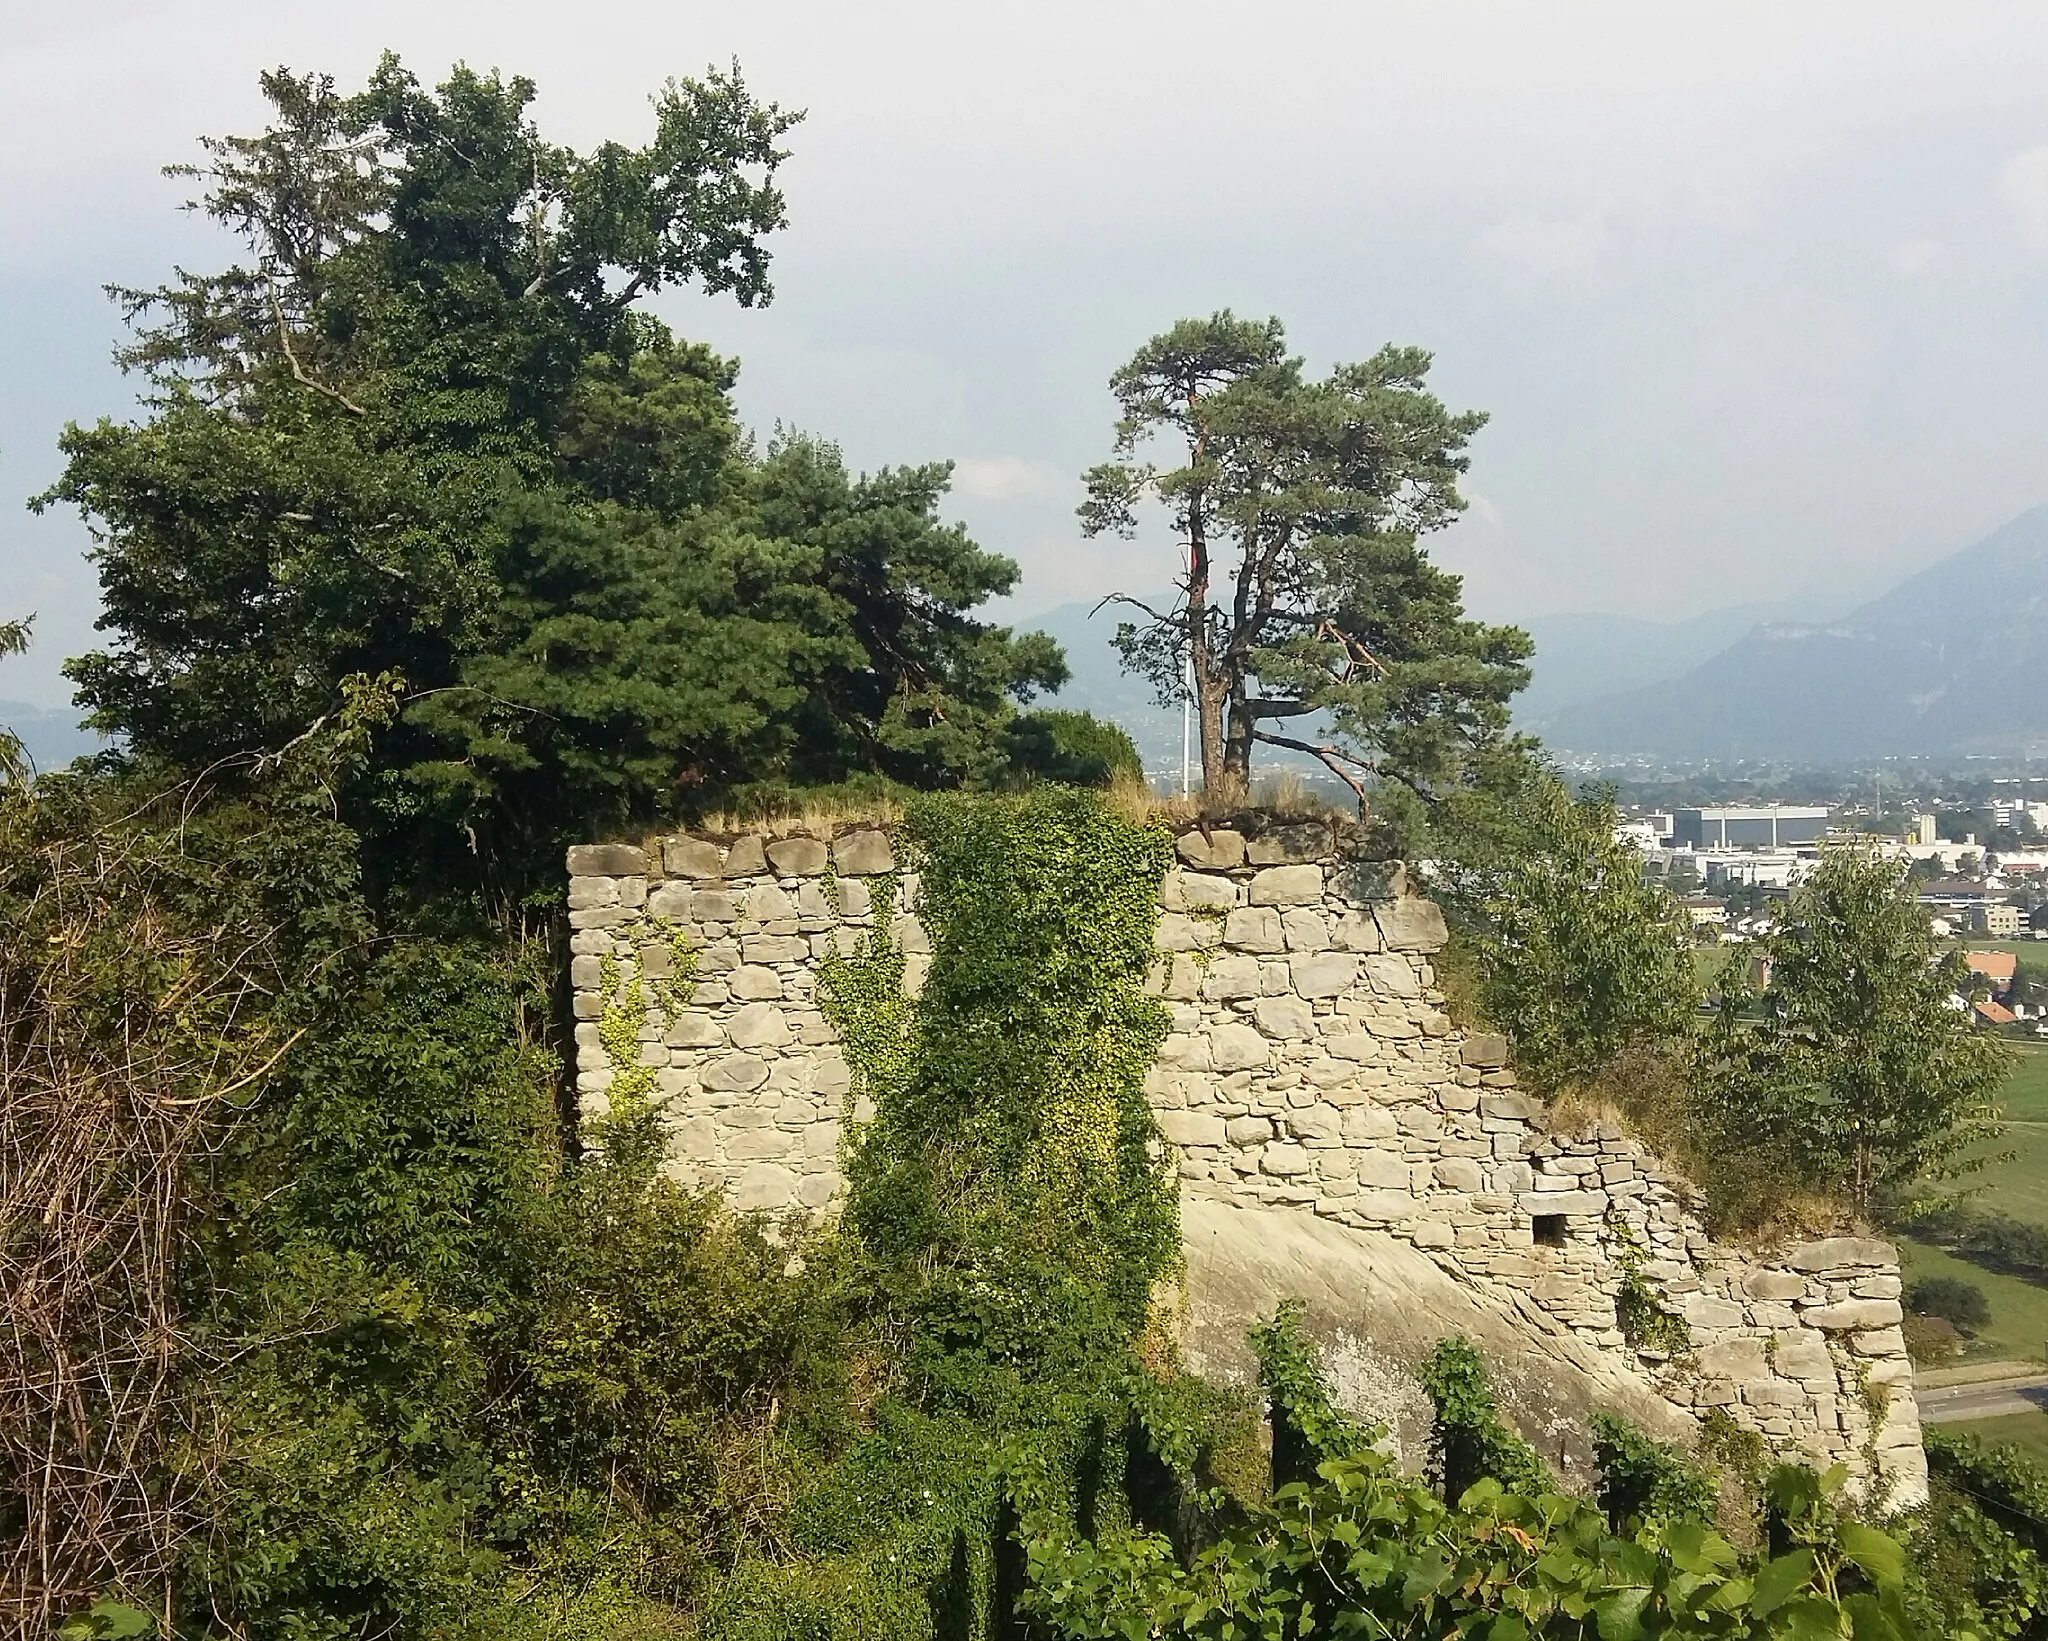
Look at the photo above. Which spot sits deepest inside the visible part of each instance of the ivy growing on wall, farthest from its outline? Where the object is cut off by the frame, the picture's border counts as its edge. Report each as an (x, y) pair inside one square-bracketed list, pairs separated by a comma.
[(1012, 1149)]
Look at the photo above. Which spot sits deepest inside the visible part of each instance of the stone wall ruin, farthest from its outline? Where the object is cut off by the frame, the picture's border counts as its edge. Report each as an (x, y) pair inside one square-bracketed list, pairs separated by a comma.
[(1311, 1071)]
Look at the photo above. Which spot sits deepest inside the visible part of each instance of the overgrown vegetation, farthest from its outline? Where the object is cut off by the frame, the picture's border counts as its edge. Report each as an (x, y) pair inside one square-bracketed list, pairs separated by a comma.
[(1832, 1079), (1357, 1548), (1574, 952), (431, 552)]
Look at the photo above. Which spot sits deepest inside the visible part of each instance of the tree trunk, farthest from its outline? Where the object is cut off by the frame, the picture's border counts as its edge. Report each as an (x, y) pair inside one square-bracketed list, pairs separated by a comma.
[(1237, 745), (1211, 697), (1210, 691)]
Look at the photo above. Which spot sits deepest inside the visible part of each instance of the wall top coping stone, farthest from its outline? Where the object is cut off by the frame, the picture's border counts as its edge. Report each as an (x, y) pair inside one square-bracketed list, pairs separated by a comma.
[(1243, 843), (1834, 1251)]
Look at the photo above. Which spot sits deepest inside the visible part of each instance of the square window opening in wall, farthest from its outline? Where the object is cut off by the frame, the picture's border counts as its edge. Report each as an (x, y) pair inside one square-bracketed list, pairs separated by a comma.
[(1549, 1230)]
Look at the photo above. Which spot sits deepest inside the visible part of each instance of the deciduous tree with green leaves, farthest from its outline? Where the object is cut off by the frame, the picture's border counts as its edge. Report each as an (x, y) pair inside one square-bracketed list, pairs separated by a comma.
[(1303, 590), (1577, 956), (1838, 1052)]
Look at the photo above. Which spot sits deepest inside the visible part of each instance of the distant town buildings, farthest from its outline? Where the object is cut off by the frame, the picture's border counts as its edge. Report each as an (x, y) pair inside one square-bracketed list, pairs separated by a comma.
[(1996, 919), (1763, 826)]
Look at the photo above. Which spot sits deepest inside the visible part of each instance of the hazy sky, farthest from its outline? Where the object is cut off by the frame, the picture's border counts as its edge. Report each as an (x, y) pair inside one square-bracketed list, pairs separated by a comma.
[(1757, 295)]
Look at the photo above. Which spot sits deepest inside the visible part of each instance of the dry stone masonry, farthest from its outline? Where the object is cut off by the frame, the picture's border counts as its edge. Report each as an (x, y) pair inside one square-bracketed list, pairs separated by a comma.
[(1311, 1067)]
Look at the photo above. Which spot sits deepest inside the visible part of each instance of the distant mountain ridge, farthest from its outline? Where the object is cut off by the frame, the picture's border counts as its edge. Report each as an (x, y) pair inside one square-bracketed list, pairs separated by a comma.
[(52, 736), (1584, 655), (1953, 660)]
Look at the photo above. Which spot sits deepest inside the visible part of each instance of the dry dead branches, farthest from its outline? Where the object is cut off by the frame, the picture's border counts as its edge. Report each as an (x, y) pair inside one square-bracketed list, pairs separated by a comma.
[(122, 1040)]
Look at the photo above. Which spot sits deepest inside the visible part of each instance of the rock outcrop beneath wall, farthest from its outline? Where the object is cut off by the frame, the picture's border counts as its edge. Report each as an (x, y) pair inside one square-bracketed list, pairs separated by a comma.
[(1337, 1136)]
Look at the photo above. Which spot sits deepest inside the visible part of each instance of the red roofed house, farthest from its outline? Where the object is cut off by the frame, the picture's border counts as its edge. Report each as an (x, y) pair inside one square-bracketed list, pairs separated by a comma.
[(1997, 967)]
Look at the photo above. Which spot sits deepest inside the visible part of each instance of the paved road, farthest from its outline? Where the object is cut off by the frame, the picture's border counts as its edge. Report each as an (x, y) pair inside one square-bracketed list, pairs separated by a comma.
[(1988, 1399)]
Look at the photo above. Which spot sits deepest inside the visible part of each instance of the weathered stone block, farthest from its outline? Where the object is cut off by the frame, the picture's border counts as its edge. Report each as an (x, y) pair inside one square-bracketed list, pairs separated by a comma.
[(693, 1028), (1285, 845), (1323, 975), (1737, 1359), (1382, 1170), (767, 1144), (1204, 891), (671, 901), (714, 906), (1192, 1127), (1768, 1284), (1459, 1174), (1802, 1354), (765, 1186), (1248, 1130), (589, 893), (863, 854), (746, 857), (1284, 1017), (606, 860), (1237, 1048), (769, 904), (774, 948), (1837, 1251), (1485, 1049), (735, 1074), (1356, 932), (1286, 886), (1285, 1160), (1369, 1122), (1708, 1313), (1315, 1122), (796, 857), (1180, 933), (1879, 1342), (1392, 976), (692, 857), (754, 983), (1412, 924), (1230, 977), (1254, 929), (1853, 1314), (1306, 929), (695, 1139), (758, 1025), (1214, 851)]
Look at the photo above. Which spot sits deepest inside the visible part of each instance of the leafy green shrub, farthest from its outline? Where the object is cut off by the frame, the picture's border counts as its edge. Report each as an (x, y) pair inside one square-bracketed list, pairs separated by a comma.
[(1932, 1339), (1307, 1428), (1642, 1480), (1469, 1441), (1072, 748), (1970, 1573), (1950, 1298), (1364, 1551)]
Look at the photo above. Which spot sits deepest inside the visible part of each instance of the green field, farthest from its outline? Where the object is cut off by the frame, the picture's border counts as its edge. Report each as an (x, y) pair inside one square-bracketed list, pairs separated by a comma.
[(2026, 1431), (2018, 1186), (2018, 1329), (2025, 1093)]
